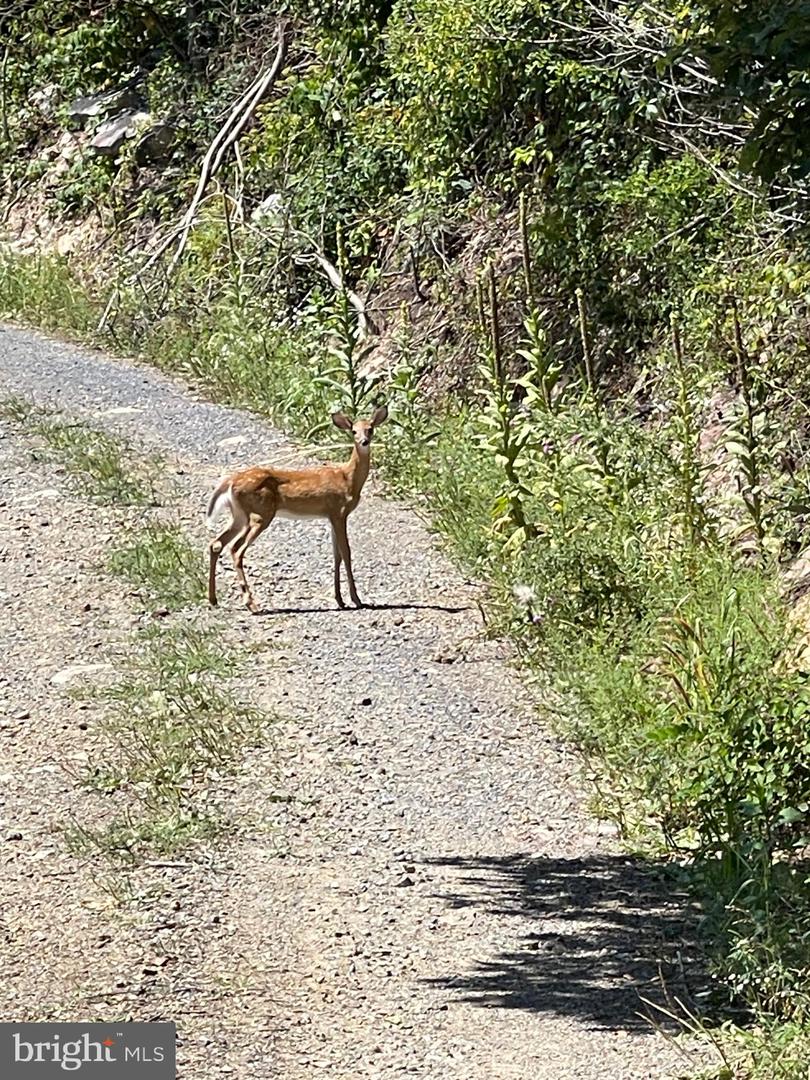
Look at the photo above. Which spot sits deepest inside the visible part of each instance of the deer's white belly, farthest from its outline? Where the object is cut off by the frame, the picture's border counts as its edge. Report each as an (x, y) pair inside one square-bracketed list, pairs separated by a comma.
[(293, 515)]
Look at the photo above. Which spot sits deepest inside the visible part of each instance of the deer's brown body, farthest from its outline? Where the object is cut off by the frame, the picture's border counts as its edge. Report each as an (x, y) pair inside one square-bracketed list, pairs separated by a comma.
[(255, 496)]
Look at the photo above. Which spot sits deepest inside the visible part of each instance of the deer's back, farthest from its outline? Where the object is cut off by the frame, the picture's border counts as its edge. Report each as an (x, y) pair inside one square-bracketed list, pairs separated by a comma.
[(292, 492)]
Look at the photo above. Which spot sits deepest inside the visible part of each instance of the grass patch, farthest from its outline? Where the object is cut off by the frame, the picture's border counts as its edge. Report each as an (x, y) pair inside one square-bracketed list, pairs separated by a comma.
[(109, 470), (171, 729), (101, 462), (46, 291), (768, 1051), (160, 561), (18, 410)]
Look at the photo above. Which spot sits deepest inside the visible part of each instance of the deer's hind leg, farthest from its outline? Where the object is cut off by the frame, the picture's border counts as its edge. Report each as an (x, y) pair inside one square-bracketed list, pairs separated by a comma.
[(256, 527), (235, 531)]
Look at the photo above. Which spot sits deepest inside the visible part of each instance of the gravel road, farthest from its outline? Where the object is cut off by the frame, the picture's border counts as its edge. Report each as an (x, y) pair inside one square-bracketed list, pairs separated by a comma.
[(433, 900)]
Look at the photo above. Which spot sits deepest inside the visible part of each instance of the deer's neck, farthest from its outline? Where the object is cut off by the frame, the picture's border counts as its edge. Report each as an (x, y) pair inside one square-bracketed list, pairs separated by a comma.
[(357, 471)]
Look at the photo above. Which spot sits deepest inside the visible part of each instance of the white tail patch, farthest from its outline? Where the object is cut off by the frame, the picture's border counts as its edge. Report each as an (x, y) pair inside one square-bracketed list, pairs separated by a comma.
[(220, 500)]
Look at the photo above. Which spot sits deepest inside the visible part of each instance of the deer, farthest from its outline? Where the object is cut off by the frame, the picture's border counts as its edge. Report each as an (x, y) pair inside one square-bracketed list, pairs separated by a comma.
[(256, 495)]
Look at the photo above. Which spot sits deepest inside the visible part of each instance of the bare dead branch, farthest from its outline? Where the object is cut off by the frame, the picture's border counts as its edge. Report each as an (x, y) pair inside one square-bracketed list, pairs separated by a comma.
[(225, 138)]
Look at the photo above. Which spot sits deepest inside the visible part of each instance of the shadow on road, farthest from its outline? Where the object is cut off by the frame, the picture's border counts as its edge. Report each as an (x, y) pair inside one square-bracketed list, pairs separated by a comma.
[(333, 610), (606, 931)]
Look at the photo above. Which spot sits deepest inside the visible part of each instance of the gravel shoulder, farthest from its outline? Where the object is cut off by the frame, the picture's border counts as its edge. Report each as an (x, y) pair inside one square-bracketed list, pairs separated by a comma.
[(416, 888)]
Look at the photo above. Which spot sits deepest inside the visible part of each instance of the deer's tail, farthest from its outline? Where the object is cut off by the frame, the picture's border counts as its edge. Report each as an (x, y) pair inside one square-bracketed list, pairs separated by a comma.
[(220, 498)]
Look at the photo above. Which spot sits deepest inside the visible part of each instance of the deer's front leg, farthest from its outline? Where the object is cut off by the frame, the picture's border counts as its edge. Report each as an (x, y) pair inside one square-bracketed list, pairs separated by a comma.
[(337, 558), (342, 539)]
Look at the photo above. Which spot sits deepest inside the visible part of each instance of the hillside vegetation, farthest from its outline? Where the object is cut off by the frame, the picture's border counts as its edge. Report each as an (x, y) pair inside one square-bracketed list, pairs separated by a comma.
[(568, 243)]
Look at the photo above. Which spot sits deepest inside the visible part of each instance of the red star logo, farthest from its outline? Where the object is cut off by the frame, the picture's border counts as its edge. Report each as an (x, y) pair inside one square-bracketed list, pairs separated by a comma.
[(108, 1042)]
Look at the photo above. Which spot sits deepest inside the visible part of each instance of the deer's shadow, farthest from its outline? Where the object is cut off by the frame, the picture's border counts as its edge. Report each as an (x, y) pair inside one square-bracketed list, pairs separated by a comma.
[(334, 610)]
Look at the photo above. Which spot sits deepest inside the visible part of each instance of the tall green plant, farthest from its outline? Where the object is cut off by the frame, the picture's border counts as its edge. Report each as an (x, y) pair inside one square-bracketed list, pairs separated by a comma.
[(744, 438), (689, 468), (504, 434), (344, 380)]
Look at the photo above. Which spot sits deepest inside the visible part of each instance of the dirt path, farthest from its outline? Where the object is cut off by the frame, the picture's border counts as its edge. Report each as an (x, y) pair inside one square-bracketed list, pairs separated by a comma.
[(433, 901)]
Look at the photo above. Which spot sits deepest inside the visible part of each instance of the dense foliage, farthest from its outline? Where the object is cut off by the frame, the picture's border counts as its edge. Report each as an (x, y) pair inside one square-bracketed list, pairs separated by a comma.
[(581, 230)]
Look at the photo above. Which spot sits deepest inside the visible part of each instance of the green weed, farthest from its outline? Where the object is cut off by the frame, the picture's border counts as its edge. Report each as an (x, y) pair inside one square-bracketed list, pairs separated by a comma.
[(46, 290), (767, 1051), (170, 728), (159, 560), (109, 471), (18, 410)]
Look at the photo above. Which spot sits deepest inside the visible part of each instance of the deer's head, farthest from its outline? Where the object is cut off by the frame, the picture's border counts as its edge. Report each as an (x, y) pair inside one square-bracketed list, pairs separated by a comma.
[(362, 430)]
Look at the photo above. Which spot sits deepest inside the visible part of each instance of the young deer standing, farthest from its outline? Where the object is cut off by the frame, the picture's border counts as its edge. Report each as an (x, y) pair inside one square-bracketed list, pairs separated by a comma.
[(255, 496)]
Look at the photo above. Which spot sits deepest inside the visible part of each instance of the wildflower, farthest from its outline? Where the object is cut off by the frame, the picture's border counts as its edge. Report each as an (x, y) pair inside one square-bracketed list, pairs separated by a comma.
[(524, 595)]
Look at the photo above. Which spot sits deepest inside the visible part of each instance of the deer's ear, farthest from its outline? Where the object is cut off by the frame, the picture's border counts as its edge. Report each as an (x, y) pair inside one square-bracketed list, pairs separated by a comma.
[(341, 420), (380, 416)]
